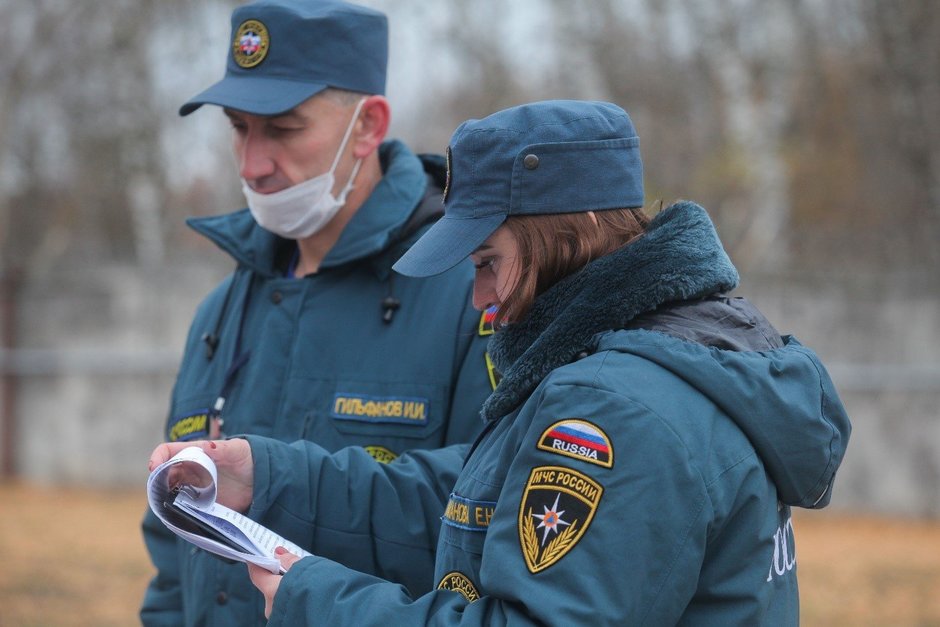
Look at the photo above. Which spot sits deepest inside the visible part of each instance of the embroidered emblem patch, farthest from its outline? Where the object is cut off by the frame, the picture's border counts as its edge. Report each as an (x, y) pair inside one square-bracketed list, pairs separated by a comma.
[(487, 320), (189, 427), (458, 582), (557, 507), (468, 514), (250, 44), (448, 175), (381, 409), (578, 439), (491, 371), (380, 454)]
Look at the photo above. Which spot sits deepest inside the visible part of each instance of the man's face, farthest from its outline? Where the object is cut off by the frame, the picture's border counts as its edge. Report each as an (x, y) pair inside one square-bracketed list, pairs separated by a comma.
[(277, 152)]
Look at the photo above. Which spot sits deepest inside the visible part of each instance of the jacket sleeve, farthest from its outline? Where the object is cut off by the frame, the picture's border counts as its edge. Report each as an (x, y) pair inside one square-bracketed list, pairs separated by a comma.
[(163, 601), (382, 519), (636, 559), (317, 591), (627, 543)]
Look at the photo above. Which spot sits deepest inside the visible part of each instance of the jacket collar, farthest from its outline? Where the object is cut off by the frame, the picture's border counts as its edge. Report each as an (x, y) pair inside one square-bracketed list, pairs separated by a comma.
[(373, 227), (679, 258)]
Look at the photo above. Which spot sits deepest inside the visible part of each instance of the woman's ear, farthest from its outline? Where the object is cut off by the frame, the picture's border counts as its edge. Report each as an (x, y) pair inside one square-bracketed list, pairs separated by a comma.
[(372, 126), (593, 217)]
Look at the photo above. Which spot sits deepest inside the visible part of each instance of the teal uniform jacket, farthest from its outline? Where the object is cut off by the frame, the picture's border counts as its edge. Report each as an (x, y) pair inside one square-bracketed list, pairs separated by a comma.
[(323, 359), (643, 450)]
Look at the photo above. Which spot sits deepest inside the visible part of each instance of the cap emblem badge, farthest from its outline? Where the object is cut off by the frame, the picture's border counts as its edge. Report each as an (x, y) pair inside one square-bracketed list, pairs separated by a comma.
[(250, 44)]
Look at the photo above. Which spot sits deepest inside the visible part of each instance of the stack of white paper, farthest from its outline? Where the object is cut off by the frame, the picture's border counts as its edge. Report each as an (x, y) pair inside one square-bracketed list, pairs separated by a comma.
[(190, 511)]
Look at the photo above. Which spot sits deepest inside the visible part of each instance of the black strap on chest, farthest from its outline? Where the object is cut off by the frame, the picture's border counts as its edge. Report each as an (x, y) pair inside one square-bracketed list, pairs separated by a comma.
[(429, 210)]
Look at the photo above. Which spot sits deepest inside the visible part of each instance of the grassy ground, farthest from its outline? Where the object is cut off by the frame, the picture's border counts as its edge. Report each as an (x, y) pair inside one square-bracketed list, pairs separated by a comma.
[(75, 558)]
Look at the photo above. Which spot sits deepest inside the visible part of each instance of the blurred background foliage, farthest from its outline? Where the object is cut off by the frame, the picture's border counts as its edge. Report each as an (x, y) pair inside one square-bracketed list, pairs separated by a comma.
[(809, 128)]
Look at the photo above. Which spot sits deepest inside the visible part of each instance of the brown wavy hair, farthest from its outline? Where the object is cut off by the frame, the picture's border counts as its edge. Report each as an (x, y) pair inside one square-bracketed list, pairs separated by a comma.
[(553, 246)]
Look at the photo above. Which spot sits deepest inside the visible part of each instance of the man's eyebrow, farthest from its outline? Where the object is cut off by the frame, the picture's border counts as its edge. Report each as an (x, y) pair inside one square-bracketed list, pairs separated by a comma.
[(290, 116)]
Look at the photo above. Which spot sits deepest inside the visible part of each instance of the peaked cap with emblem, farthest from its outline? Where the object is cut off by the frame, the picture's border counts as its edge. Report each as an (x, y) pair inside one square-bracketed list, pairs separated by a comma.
[(556, 156), (282, 52)]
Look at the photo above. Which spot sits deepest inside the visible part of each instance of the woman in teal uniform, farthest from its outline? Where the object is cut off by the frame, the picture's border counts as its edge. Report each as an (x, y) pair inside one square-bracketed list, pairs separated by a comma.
[(644, 446)]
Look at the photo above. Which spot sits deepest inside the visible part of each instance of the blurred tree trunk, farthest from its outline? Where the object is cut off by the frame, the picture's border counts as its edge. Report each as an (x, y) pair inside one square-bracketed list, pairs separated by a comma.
[(905, 65), (907, 39), (83, 171), (754, 79)]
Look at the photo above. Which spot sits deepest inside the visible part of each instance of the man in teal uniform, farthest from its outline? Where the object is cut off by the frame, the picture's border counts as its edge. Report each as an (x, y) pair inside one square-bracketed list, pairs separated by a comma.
[(312, 336)]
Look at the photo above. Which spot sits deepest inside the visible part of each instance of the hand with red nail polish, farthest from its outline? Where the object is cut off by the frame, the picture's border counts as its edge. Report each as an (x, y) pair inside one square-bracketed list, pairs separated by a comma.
[(267, 582), (233, 463)]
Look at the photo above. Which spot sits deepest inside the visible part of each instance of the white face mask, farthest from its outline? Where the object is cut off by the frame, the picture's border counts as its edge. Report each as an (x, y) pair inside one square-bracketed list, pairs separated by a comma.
[(301, 210)]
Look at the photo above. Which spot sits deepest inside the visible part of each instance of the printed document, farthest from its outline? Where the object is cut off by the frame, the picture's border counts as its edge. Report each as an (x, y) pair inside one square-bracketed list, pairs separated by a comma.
[(191, 512)]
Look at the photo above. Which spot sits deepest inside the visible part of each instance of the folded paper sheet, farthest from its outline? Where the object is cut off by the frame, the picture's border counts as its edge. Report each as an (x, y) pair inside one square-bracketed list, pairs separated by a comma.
[(191, 512)]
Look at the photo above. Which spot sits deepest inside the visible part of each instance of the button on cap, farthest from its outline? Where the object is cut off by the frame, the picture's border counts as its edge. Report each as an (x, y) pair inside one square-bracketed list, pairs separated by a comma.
[(530, 161)]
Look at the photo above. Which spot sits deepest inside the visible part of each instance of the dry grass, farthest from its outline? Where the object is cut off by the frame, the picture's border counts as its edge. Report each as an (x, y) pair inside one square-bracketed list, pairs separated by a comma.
[(75, 558), (868, 572), (71, 557)]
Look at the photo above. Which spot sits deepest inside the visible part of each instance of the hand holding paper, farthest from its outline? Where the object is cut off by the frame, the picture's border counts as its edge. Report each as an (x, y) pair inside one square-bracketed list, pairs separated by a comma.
[(182, 493), (234, 467)]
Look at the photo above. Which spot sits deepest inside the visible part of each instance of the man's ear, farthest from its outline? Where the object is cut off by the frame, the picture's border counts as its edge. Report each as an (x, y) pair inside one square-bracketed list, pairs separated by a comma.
[(372, 126)]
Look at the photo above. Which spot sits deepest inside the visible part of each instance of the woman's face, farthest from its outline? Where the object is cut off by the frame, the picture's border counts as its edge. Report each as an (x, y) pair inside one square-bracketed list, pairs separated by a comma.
[(497, 270)]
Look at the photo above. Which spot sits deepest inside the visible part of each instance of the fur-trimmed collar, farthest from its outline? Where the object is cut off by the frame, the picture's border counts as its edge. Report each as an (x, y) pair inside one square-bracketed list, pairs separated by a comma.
[(679, 258)]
